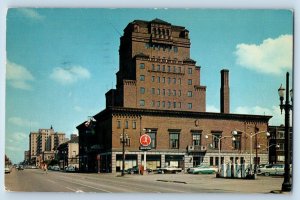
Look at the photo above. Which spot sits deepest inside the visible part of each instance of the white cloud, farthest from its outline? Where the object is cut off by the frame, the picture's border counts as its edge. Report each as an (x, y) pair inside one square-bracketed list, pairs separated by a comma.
[(31, 13), (272, 56), (212, 108), (18, 76), (69, 75), (22, 122), (276, 120)]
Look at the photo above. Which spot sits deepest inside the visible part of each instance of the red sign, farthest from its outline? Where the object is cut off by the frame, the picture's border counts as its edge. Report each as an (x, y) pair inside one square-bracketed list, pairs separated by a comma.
[(145, 140)]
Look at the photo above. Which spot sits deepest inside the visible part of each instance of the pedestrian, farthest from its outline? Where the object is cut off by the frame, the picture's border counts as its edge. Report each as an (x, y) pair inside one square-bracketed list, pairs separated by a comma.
[(46, 168)]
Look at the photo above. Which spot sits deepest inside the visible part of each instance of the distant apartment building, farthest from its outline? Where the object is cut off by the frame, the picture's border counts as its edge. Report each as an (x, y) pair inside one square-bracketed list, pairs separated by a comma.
[(68, 152), (276, 144), (43, 143)]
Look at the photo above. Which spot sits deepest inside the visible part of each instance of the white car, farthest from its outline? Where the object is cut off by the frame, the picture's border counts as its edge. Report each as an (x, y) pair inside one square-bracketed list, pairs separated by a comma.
[(70, 168), (202, 169), (7, 169)]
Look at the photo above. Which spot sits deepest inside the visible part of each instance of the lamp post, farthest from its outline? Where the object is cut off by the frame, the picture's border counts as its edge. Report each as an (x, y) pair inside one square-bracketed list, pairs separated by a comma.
[(251, 135), (286, 185), (123, 140), (219, 147)]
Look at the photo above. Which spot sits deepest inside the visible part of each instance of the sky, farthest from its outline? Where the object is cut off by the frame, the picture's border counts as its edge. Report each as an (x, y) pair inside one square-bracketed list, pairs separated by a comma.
[(61, 62)]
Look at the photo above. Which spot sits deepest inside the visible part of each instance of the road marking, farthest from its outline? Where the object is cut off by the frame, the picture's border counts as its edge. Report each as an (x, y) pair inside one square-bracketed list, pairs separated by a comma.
[(74, 190)]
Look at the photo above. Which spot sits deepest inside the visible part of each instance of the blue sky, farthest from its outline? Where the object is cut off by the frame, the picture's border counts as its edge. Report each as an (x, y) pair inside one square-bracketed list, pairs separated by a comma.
[(60, 62)]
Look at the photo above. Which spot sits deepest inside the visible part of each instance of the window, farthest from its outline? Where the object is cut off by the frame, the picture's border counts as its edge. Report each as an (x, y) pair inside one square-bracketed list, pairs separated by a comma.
[(169, 104), (163, 92), (153, 78), (163, 104), (179, 80), (280, 135), (163, 79), (158, 79), (158, 91), (142, 77), (196, 139), (190, 105), (152, 90), (118, 124), (179, 69), (147, 45), (169, 92), (190, 82), (142, 102), (128, 141), (142, 66), (175, 49), (211, 161), (174, 104), (163, 68), (153, 67), (158, 104), (152, 135), (174, 80), (134, 124), (236, 144), (189, 70), (169, 80), (152, 103), (174, 69), (142, 90), (190, 94), (126, 124), (215, 140), (281, 146), (174, 92), (158, 67), (179, 104), (174, 140), (169, 69), (179, 92)]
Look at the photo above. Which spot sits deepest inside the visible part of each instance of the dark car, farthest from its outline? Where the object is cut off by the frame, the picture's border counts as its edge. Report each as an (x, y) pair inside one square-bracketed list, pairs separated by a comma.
[(135, 170), (20, 167)]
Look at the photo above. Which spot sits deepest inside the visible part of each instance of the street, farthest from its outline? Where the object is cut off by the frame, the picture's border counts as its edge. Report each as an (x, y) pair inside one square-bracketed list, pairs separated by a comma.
[(36, 180)]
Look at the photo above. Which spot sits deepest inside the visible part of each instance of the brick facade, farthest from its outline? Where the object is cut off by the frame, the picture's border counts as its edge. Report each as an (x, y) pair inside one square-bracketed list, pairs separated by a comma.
[(159, 93)]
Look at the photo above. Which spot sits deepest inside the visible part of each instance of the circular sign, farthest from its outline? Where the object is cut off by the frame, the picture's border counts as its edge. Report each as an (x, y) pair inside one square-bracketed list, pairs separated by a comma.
[(145, 140)]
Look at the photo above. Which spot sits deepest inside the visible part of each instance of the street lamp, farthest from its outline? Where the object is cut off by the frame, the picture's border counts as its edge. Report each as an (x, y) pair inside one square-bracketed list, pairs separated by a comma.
[(286, 185), (219, 147), (123, 139), (251, 135)]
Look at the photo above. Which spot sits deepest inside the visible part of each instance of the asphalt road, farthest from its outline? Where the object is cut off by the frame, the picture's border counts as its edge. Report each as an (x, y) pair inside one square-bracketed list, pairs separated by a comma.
[(36, 180)]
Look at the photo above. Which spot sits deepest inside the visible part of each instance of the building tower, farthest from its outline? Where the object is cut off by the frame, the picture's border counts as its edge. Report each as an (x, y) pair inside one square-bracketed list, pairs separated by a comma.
[(224, 92), (156, 71)]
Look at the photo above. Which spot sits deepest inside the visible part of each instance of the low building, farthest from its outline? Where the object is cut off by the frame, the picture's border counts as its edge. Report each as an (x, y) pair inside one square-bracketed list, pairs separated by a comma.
[(68, 153)]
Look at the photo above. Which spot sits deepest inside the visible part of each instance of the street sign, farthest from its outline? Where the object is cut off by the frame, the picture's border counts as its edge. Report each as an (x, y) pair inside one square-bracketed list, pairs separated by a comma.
[(145, 140)]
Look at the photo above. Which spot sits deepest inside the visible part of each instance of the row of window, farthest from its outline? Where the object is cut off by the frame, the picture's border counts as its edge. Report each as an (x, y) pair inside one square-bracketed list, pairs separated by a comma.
[(164, 68), (165, 104), (161, 47), (169, 92), (163, 80)]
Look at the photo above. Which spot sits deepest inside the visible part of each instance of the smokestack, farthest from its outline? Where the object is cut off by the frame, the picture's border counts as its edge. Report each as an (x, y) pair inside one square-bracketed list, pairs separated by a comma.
[(224, 92)]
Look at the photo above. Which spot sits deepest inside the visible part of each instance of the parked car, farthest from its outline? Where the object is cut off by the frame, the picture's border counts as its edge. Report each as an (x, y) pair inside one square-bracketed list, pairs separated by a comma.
[(135, 170), (274, 169), (55, 168), (70, 168), (169, 170), (7, 169), (202, 169)]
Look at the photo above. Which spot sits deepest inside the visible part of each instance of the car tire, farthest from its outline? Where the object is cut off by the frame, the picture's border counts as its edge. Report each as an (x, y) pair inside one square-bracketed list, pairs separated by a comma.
[(267, 174)]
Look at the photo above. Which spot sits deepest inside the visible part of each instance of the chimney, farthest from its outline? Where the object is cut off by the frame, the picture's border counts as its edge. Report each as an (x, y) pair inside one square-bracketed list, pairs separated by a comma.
[(224, 92)]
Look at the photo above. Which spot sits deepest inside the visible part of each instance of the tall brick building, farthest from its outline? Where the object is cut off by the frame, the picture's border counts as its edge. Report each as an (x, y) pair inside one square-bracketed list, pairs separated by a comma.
[(159, 91)]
